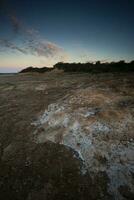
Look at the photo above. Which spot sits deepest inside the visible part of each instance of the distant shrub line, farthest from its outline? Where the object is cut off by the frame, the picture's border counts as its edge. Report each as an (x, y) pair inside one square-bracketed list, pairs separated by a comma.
[(88, 67), (36, 69), (97, 67)]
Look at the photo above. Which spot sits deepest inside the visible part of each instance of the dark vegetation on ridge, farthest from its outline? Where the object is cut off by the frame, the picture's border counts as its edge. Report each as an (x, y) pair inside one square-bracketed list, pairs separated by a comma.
[(36, 69), (97, 67), (88, 67)]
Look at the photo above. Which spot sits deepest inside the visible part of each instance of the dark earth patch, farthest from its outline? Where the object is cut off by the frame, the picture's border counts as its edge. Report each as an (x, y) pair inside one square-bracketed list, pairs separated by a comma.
[(47, 171)]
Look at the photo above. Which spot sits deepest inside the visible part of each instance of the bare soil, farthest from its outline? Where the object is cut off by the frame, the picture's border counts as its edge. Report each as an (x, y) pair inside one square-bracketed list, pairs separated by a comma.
[(39, 158)]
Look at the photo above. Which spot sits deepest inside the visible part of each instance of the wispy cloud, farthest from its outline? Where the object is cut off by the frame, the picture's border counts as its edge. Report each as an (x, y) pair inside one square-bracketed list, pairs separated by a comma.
[(32, 43), (40, 47), (8, 44), (16, 24)]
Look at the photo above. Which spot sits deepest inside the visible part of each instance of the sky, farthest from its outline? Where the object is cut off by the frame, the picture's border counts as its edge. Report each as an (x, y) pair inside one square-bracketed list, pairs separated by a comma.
[(43, 32)]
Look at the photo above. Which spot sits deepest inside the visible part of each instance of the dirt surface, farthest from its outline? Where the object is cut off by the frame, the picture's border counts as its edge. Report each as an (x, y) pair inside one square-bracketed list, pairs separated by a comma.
[(66, 136)]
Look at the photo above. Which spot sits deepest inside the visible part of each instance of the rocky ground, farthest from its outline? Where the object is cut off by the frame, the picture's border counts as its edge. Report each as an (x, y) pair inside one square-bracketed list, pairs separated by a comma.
[(67, 136)]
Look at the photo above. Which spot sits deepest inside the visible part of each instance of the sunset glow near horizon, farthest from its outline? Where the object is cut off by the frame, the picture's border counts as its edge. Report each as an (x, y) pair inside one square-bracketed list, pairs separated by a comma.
[(42, 33)]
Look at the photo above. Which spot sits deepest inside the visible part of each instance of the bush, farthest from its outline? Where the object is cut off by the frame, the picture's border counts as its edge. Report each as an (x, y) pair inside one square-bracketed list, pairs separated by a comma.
[(98, 67)]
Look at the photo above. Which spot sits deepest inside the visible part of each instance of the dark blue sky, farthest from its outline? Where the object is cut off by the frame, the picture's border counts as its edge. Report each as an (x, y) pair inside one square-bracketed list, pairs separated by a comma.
[(84, 30)]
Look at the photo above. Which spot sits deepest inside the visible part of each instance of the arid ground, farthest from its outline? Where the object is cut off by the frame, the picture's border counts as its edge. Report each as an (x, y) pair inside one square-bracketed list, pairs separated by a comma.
[(67, 136)]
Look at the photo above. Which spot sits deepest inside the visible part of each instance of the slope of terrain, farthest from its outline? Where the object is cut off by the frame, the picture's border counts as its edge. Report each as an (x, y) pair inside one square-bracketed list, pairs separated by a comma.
[(67, 136)]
